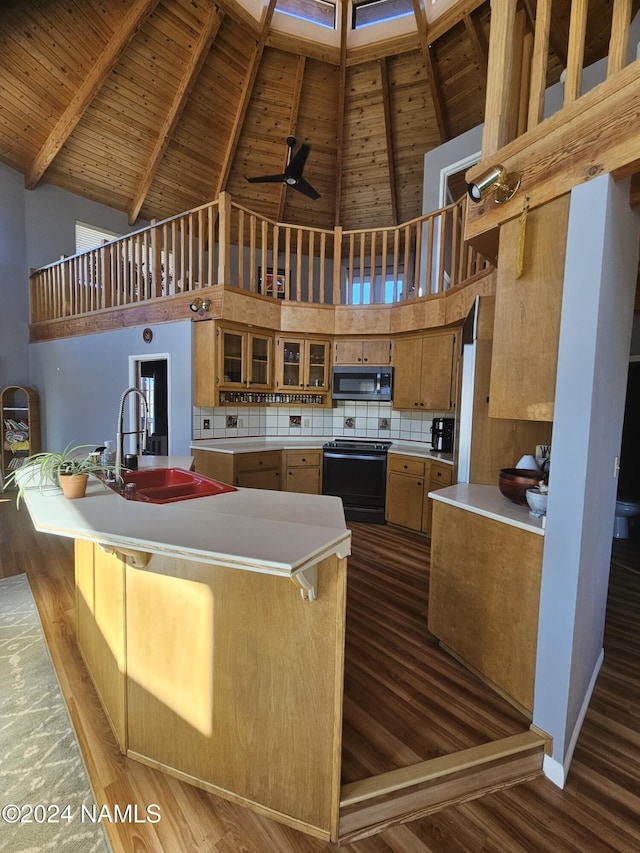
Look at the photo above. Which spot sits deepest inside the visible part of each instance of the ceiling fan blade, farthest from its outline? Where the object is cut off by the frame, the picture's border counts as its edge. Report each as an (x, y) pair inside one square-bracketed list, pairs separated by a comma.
[(306, 188), (296, 164), (267, 179)]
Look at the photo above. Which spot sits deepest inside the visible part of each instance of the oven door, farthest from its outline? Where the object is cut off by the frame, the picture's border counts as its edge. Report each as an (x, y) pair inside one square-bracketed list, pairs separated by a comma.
[(360, 479)]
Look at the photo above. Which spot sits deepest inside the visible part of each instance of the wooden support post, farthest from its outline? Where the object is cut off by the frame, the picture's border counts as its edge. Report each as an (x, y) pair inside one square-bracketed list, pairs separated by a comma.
[(224, 219)]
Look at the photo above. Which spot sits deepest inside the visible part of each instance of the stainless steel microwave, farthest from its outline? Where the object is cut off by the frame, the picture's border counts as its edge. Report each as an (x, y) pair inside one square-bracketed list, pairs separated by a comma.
[(362, 383)]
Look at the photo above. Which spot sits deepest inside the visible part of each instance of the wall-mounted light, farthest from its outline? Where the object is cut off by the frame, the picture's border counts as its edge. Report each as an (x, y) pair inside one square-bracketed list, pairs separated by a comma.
[(200, 306), (495, 180)]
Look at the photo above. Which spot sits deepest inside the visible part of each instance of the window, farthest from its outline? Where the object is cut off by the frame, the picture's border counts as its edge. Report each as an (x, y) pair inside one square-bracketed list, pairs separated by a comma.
[(368, 292), (88, 237), (377, 11), (320, 12)]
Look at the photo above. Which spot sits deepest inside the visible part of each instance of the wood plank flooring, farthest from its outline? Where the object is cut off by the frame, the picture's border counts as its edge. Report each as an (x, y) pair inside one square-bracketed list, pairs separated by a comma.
[(405, 701)]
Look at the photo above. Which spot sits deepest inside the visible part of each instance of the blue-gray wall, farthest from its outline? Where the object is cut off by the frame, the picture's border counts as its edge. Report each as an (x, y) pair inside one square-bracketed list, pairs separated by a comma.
[(14, 282)]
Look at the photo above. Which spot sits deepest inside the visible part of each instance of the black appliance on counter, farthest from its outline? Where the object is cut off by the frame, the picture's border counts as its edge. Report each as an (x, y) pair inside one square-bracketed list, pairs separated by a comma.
[(356, 471), (442, 431)]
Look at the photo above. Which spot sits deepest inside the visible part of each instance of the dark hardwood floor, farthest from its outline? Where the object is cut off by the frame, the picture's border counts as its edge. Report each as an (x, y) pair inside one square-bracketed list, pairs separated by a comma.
[(404, 701)]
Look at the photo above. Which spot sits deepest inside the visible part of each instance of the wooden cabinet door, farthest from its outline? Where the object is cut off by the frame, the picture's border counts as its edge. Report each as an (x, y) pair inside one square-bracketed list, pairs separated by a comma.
[(290, 363), (348, 352), (316, 365), (259, 361), (304, 479), (437, 372), (404, 500), (259, 479), (376, 352), (407, 359)]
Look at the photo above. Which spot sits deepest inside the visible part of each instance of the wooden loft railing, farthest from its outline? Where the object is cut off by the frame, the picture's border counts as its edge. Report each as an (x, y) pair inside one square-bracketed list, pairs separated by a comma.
[(224, 243), (592, 133)]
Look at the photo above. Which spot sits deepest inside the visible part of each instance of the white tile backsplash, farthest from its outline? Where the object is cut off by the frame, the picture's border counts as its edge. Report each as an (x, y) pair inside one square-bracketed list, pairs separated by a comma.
[(274, 420)]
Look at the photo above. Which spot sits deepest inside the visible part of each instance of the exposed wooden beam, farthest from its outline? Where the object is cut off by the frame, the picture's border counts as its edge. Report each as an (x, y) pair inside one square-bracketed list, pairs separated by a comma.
[(189, 76), (449, 19), (500, 78), (478, 41), (132, 20), (243, 105), (293, 122), (551, 162), (342, 88), (384, 85), (432, 74)]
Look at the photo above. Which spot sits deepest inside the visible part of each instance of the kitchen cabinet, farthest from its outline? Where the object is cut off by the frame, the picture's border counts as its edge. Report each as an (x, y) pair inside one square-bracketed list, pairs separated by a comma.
[(230, 364), (302, 364), (302, 471), (484, 593), (20, 426), (405, 490), (527, 315), (424, 371), (255, 470), (374, 351)]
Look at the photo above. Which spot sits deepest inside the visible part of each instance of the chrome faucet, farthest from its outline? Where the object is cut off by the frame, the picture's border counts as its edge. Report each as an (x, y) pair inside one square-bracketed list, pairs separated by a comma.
[(121, 434)]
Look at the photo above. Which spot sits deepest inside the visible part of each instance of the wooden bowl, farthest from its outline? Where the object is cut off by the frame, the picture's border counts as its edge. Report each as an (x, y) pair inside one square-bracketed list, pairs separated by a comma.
[(514, 482)]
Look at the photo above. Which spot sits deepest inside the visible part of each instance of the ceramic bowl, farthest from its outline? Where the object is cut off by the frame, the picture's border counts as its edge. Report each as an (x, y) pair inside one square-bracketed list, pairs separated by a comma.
[(537, 501), (514, 482)]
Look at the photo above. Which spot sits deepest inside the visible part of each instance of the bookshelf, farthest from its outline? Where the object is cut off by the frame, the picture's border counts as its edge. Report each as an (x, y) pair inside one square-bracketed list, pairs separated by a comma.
[(20, 426)]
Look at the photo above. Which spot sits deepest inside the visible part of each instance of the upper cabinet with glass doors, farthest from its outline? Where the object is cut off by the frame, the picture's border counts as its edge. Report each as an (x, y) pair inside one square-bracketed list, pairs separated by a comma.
[(302, 364), (244, 359)]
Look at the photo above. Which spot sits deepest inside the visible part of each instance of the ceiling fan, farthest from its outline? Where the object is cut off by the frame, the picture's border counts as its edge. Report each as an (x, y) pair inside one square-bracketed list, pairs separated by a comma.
[(292, 175)]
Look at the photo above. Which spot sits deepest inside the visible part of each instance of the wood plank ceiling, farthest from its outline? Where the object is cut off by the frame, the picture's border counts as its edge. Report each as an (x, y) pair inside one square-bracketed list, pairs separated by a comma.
[(155, 106)]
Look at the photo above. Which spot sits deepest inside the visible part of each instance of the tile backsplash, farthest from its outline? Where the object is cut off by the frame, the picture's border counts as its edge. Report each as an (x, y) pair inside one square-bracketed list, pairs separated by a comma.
[(370, 420)]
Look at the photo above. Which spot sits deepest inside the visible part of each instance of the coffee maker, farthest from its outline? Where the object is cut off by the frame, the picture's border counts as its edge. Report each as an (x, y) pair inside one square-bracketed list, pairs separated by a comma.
[(442, 430)]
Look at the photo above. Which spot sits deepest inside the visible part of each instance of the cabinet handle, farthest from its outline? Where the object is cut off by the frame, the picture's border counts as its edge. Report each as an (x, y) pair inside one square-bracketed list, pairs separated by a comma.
[(422, 404), (405, 466), (365, 359), (303, 459), (260, 462), (438, 473), (419, 483), (416, 404)]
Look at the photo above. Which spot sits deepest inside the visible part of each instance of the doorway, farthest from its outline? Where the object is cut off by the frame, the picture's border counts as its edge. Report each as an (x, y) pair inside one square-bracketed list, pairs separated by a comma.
[(150, 374)]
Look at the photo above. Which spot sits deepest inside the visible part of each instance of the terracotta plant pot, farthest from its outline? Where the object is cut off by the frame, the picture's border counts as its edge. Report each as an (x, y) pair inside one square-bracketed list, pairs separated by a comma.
[(73, 485)]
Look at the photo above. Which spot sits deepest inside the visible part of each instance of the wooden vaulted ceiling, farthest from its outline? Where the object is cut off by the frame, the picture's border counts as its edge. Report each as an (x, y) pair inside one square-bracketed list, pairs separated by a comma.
[(155, 106)]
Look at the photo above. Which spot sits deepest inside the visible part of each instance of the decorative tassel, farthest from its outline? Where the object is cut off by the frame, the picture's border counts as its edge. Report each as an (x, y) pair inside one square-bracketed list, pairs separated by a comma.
[(521, 238)]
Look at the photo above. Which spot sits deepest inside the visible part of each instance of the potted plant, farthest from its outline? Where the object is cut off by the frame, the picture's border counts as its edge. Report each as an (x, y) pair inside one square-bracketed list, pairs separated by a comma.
[(69, 468)]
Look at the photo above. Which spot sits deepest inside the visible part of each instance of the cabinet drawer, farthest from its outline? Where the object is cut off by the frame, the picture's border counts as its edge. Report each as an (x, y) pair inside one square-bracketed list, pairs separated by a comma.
[(406, 465), (440, 475), (297, 458), (257, 461)]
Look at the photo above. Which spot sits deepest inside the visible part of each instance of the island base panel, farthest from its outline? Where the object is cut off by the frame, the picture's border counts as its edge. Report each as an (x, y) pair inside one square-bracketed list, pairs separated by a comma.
[(233, 681)]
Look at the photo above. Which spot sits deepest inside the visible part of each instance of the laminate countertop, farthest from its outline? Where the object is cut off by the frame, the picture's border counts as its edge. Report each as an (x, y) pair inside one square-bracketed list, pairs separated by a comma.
[(491, 503), (257, 444), (278, 533)]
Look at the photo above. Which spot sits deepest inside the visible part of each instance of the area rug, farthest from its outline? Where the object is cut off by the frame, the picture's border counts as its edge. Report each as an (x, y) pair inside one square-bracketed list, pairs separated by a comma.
[(46, 800)]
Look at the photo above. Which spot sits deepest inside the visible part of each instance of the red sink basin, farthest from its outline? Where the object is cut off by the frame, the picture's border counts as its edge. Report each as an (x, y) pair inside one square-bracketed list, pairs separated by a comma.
[(164, 485)]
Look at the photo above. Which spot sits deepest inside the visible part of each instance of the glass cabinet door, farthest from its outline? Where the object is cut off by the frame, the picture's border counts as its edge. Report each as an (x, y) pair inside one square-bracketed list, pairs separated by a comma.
[(232, 358), (259, 361), (292, 364), (318, 355)]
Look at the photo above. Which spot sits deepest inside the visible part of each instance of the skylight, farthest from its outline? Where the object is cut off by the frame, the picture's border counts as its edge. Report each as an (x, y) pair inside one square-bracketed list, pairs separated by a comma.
[(322, 12), (379, 11)]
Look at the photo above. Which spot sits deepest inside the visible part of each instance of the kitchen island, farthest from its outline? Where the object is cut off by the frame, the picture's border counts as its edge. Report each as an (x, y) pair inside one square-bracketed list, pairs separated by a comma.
[(213, 629)]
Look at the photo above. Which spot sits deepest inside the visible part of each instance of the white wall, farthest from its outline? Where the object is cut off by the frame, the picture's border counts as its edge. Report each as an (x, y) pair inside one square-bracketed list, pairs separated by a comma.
[(595, 332)]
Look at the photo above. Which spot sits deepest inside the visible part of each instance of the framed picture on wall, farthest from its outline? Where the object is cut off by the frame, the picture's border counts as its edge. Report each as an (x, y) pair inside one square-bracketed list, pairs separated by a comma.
[(269, 280)]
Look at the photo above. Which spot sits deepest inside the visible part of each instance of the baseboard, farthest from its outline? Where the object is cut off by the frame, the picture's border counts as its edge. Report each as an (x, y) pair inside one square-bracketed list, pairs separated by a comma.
[(555, 770)]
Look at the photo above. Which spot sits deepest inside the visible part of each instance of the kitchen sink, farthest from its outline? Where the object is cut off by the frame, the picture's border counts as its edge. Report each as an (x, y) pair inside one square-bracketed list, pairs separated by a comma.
[(164, 485)]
